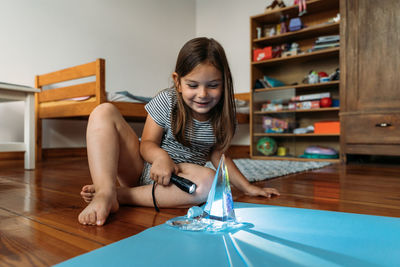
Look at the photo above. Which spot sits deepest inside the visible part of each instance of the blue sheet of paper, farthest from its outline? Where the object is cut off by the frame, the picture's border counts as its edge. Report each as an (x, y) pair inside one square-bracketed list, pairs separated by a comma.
[(281, 236)]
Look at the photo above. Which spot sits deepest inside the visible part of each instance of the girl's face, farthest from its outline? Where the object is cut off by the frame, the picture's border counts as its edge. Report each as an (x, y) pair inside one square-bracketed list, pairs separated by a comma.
[(201, 89)]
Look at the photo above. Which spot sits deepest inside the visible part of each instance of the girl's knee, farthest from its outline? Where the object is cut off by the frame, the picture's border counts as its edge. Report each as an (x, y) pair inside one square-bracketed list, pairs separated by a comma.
[(204, 185), (103, 112)]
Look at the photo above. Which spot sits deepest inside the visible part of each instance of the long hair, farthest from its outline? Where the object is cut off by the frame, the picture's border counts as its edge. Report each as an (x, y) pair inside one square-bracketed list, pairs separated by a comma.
[(223, 115)]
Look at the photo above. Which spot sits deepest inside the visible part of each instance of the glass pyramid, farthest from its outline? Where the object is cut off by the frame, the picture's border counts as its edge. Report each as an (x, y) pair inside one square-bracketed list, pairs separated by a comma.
[(218, 214), (219, 204)]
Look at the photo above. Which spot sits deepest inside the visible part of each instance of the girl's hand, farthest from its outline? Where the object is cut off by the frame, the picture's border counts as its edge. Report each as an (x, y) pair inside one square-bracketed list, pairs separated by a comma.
[(161, 170), (268, 192)]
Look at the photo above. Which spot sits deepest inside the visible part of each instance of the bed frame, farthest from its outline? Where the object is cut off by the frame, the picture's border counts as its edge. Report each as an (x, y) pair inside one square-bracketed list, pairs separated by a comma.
[(52, 103)]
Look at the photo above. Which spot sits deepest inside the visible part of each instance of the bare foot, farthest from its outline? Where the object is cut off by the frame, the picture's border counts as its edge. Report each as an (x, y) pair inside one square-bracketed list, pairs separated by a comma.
[(100, 206), (88, 192)]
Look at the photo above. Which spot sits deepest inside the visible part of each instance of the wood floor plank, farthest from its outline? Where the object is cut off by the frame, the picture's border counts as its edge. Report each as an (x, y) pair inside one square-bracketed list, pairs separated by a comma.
[(25, 242), (39, 209)]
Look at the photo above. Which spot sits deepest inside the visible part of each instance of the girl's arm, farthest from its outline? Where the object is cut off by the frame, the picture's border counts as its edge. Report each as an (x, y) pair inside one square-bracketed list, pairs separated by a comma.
[(162, 164), (238, 179)]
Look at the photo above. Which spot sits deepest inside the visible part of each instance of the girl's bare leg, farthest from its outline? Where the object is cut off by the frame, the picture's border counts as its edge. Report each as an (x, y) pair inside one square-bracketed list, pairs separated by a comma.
[(113, 152), (171, 196)]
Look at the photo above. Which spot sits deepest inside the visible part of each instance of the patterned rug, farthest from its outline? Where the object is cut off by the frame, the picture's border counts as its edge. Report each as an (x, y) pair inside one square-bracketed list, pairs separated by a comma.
[(257, 170)]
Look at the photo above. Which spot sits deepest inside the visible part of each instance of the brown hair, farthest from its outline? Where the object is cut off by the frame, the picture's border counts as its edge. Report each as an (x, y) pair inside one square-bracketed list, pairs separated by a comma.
[(223, 115)]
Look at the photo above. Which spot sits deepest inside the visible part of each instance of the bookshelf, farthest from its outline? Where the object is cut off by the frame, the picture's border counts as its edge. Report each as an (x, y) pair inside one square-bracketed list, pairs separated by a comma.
[(292, 70)]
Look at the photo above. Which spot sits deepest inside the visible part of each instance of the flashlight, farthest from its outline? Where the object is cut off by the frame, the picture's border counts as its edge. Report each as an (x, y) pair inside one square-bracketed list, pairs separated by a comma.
[(183, 183)]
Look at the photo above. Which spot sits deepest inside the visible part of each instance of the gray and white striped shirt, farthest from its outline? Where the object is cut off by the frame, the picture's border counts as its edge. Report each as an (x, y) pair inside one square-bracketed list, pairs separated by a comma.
[(201, 134)]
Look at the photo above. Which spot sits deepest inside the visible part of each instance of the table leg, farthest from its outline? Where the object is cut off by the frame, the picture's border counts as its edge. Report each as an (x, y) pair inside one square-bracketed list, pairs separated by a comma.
[(29, 131)]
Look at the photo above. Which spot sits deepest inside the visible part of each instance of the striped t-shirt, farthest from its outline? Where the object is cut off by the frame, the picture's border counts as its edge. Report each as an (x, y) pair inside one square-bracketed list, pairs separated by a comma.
[(201, 136)]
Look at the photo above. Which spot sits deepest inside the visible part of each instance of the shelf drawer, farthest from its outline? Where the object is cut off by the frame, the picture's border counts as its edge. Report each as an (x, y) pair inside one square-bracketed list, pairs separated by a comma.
[(372, 129)]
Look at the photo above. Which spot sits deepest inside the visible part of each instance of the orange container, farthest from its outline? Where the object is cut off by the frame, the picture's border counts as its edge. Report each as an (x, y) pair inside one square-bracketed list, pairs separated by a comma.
[(262, 53), (327, 127)]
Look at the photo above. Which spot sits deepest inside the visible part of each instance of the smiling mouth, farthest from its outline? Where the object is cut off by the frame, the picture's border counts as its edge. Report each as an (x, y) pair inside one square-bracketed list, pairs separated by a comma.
[(202, 103)]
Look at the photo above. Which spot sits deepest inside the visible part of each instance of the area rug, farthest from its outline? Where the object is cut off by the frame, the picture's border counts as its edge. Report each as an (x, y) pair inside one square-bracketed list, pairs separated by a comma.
[(257, 170)]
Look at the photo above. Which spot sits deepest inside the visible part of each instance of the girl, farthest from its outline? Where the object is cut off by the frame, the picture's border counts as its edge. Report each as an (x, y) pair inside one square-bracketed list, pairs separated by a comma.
[(186, 125)]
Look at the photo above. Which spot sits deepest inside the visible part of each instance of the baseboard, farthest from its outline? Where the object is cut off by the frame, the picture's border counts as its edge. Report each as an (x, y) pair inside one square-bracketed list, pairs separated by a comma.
[(235, 151), (64, 152), (48, 153), (11, 155), (239, 151)]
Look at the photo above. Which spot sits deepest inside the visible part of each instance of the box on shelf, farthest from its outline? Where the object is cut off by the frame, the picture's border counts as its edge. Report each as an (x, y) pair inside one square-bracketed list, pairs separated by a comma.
[(262, 53), (311, 96), (307, 105), (327, 127), (274, 125)]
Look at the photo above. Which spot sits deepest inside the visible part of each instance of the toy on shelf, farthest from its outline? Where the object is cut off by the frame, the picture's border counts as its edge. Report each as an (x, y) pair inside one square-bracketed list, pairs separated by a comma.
[(335, 103), (259, 33), (323, 77), (335, 19), (313, 77), (335, 75), (320, 152), (302, 6), (325, 102), (281, 152), (277, 51), (275, 4), (269, 30), (274, 125), (295, 24), (308, 129), (292, 51), (282, 26), (267, 146)]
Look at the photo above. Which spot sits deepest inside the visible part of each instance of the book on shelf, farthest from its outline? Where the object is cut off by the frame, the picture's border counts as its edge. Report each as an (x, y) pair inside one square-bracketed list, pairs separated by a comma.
[(310, 96), (325, 46), (268, 82), (328, 39)]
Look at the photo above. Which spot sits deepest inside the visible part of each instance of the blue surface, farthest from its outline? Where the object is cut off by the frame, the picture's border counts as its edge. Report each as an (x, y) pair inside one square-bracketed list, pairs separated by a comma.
[(281, 236)]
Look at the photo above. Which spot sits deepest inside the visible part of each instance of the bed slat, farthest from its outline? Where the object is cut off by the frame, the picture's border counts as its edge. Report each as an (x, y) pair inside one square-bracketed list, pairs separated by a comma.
[(72, 73), (83, 89), (70, 109)]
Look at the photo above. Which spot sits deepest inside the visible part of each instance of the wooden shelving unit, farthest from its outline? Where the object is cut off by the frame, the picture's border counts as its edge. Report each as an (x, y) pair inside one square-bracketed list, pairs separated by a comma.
[(292, 70)]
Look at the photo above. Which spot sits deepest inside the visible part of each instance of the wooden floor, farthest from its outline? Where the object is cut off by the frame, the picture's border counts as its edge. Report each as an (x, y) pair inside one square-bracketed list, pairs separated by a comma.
[(39, 209)]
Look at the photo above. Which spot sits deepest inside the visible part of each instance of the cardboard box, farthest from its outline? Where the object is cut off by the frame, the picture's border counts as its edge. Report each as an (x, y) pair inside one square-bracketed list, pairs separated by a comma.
[(327, 127), (307, 105)]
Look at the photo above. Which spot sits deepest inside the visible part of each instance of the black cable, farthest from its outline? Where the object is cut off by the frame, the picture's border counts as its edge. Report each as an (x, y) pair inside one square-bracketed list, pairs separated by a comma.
[(154, 198)]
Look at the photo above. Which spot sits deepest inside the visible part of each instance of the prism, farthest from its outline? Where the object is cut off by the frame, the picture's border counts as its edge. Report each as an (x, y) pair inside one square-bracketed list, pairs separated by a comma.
[(219, 204)]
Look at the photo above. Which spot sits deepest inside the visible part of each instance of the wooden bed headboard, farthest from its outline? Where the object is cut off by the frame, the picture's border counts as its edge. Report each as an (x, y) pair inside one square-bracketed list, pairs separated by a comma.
[(95, 89)]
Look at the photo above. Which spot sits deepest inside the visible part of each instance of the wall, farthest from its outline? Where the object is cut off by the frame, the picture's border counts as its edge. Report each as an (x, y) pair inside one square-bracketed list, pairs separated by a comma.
[(139, 39)]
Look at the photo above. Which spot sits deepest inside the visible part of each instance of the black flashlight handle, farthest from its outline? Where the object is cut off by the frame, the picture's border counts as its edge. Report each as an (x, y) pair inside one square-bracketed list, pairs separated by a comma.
[(183, 183)]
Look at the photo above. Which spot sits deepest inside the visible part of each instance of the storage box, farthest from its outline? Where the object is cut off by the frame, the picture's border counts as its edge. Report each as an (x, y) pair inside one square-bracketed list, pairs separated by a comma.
[(307, 105), (327, 127), (262, 54)]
